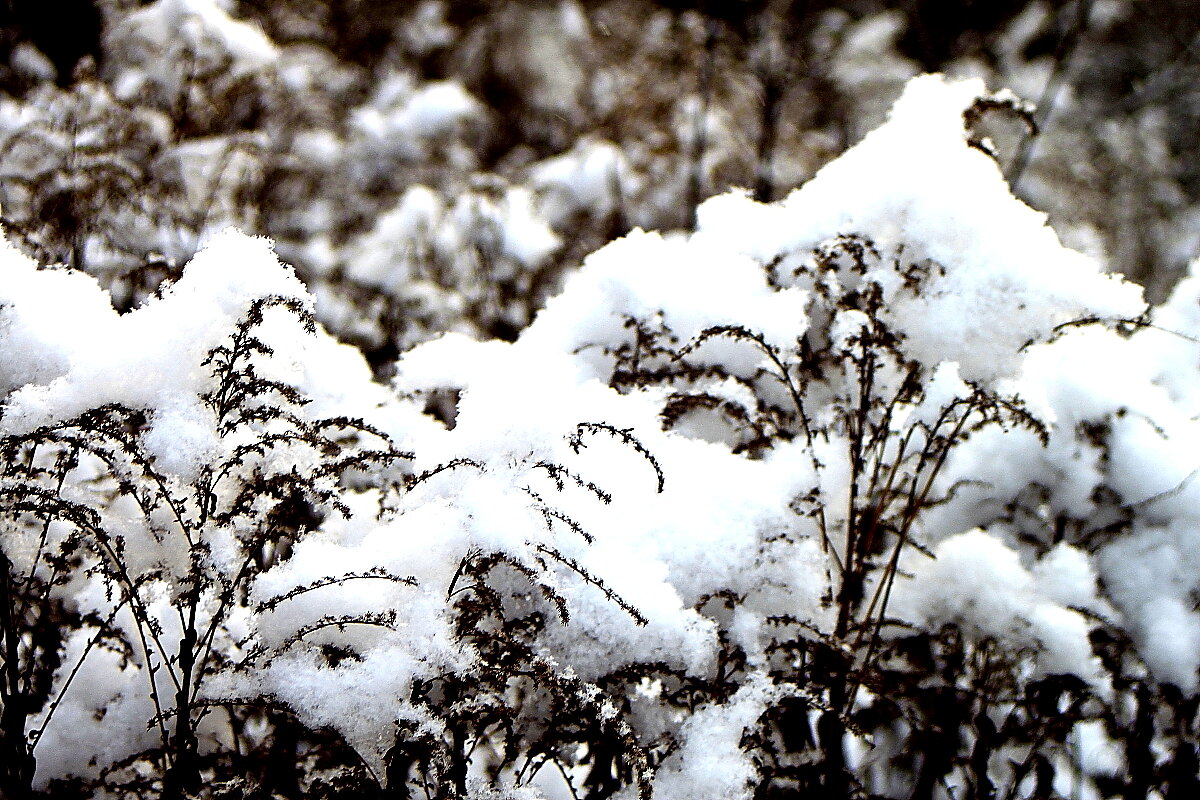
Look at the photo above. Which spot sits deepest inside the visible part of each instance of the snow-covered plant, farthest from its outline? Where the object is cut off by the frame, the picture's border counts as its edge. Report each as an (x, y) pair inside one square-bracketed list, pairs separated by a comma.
[(189, 59), (842, 347), (74, 160), (103, 185), (140, 522), (876, 491), (456, 681), (175, 553), (474, 262)]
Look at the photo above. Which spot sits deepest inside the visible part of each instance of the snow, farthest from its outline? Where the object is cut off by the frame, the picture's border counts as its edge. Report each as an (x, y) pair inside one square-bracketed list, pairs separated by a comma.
[(977, 582), (998, 276), (641, 531), (691, 284), (711, 762), (409, 121), (586, 178), (151, 356), (165, 23)]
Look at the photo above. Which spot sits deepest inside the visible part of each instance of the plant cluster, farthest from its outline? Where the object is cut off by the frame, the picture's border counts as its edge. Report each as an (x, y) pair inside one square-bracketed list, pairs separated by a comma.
[(874, 491)]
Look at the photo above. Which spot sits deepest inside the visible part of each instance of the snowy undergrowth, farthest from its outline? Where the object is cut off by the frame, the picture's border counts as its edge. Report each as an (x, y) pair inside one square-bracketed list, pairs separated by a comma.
[(873, 471)]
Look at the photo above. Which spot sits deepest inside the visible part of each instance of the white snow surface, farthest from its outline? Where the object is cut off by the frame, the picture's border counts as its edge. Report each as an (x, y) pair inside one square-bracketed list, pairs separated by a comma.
[(926, 198)]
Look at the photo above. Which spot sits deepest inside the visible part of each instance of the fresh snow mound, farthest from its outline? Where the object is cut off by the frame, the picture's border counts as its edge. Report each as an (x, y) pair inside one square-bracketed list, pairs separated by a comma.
[(914, 187)]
